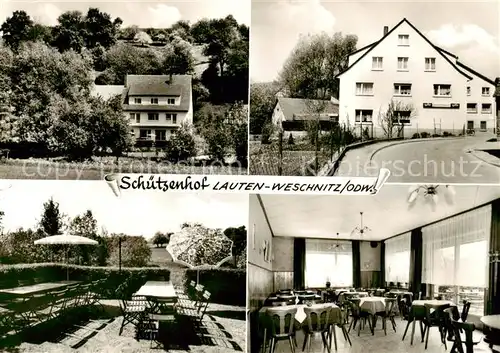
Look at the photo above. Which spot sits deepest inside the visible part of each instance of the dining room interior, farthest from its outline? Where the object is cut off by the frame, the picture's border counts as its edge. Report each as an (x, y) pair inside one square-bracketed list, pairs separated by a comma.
[(413, 268)]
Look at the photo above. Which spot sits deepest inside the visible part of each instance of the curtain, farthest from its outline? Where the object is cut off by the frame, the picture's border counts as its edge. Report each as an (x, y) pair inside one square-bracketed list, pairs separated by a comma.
[(397, 258), (328, 261), (299, 259), (455, 250)]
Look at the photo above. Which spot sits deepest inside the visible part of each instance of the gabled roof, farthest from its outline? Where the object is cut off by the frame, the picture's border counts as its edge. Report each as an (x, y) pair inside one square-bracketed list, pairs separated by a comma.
[(297, 108), (404, 20), (465, 67), (159, 86)]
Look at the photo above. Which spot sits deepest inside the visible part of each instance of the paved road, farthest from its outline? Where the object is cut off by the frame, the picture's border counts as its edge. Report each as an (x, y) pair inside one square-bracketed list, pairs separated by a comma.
[(430, 161)]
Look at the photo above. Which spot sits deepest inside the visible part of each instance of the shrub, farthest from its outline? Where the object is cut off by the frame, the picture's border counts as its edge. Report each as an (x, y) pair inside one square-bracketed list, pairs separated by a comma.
[(447, 134), (416, 136), (436, 135), (424, 135), (227, 286)]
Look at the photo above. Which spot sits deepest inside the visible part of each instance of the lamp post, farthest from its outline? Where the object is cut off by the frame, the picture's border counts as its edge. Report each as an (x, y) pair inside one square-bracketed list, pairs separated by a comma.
[(120, 253)]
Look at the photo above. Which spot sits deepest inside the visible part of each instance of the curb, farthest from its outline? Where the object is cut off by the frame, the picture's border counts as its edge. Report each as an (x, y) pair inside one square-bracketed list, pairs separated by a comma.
[(414, 141), (478, 156)]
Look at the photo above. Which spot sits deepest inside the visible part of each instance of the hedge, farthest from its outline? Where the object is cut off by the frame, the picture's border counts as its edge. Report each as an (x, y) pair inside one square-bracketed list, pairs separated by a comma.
[(11, 275), (227, 286)]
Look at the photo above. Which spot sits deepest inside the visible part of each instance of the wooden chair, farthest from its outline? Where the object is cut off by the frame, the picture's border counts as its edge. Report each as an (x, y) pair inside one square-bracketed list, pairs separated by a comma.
[(358, 317), (133, 311), (344, 321), (465, 310), (280, 326), (434, 317), (458, 328), (416, 313), (388, 313), (304, 298), (318, 321)]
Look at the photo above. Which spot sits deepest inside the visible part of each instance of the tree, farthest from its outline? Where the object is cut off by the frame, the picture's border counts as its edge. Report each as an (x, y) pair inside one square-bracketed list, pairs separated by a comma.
[(19, 247), (143, 38), (390, 119), (85, 225), (214, 128), (239, 237), (99, 29), (52, 221), (315, 109), (160, 239), (135, 251), (237, 117), (179, 58), (181, 145), (129, 32), (39, 32), (311, 69), (8, 122), (123, 59), (262, 103), (70, 32), (16, 29)]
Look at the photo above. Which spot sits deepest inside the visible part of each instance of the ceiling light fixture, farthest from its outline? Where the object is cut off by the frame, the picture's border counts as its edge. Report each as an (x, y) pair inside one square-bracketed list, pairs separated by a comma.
[(361, 230), (431, 194)]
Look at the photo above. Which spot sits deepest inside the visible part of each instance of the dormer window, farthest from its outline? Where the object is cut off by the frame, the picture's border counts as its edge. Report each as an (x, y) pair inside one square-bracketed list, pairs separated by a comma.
[(137, 100), (171, 101), (154, 100), (403, 39)]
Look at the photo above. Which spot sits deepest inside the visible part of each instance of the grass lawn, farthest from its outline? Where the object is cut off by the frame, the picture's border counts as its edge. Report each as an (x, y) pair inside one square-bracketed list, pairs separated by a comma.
[(96, 170)]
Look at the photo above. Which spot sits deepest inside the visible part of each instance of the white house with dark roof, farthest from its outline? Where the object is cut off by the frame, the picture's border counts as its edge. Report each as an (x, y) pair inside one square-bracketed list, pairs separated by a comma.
[(157, 105), (291, 114), (405, 67)]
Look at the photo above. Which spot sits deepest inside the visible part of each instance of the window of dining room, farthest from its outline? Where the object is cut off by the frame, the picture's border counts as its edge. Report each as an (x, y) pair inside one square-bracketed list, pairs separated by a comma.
[(397, 261), (451, 266), (328, 261)]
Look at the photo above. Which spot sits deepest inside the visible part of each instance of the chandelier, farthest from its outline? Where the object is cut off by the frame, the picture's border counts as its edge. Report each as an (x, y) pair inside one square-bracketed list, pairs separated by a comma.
[(337, 244), (431, 193), (361, 230)]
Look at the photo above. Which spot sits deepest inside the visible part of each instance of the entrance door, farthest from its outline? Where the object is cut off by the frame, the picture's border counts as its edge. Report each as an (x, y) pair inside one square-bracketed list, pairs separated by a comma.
[(470, 125), (483, 125)]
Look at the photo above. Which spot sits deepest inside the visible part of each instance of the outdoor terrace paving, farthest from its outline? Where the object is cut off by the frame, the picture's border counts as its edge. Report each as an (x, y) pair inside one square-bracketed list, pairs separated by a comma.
[(222, 330)]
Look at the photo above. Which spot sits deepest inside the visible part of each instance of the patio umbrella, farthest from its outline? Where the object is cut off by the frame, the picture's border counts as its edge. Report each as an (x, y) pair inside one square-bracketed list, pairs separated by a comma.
[(199, 247), (65, 239)]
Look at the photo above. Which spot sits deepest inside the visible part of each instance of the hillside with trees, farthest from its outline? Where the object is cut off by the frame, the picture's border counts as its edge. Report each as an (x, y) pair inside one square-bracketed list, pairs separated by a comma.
[(47, 74)]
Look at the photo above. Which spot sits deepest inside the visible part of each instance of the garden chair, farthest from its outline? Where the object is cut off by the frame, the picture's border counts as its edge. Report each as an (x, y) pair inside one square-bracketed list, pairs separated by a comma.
[(133, 311), (94, 295)]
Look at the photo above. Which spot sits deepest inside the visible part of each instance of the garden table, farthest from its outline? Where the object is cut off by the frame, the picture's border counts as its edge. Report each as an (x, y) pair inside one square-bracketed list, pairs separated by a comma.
[(159, 292), (38, 288), (346, 295)]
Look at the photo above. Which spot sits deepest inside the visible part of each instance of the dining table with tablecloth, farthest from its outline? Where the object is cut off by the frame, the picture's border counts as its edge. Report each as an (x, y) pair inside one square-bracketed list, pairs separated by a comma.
[(346, 295), (372, 305)]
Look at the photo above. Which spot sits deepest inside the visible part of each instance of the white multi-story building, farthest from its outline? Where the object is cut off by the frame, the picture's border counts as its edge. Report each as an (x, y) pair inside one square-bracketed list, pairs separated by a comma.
[(155, 105), (434, 91)]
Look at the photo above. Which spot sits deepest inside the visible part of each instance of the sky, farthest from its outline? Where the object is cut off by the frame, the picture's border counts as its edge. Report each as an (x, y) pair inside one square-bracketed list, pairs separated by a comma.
[(134, 213), (468, 29), (145, 14)]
